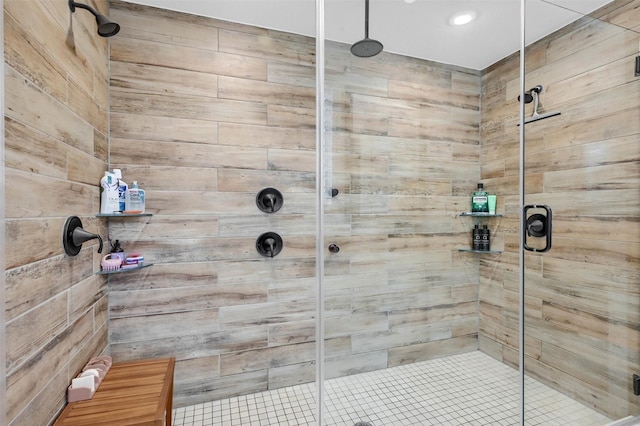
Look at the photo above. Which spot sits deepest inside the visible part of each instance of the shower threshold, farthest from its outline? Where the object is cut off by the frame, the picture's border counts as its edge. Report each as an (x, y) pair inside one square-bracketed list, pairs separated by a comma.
[(465, 389)]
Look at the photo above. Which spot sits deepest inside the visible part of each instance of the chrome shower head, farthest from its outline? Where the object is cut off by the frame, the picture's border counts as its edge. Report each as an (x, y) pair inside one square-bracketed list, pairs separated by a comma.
[(106, 27)]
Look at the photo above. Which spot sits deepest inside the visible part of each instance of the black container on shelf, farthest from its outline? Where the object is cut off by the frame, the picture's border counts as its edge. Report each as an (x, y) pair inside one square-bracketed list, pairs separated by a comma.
[(477, 238), (116, 250), (485, 235)]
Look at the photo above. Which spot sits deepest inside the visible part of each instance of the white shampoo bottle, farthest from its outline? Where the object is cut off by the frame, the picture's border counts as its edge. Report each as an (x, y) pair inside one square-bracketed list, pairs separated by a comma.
[(122, 190), (109, 200)]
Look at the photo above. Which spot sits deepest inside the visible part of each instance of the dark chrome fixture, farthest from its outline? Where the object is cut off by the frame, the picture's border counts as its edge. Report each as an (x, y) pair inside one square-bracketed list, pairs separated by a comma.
[(73, 236), (269, 200), (528, 97), (366, 47), (333, 248), (538, 225), (334, 192), (106, 27), (533, 95), (269, 244)]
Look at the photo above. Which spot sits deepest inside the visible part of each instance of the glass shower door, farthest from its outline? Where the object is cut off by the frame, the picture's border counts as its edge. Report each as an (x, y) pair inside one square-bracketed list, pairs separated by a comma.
[(581, 158), (401, 291), (405, 143)]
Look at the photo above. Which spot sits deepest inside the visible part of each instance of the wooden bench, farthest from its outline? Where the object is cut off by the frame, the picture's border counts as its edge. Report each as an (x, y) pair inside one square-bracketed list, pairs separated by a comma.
[(132, 393)]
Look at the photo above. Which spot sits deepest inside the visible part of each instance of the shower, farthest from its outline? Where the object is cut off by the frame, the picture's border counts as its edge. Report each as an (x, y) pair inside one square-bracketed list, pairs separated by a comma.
[(106, 27), (407, 312), (377, 309), (366, 47)]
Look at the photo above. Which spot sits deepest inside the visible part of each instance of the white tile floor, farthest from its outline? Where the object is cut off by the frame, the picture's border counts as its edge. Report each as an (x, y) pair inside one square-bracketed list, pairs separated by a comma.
[(467, 389)]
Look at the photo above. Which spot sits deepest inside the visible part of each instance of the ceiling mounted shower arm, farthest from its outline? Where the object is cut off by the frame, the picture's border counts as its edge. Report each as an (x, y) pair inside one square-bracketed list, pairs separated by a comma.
[(366, 19)]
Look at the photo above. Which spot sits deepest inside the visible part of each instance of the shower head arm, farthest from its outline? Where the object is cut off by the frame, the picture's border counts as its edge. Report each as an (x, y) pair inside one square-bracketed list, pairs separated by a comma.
[(73, 5), (366, 19), (106, 27)]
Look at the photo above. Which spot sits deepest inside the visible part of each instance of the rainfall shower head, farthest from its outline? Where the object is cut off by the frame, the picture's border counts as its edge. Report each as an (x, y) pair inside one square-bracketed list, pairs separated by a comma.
[(366, 47), (106, 27)]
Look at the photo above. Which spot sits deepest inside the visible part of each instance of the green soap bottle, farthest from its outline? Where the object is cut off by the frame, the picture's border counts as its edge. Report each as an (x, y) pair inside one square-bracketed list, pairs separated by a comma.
[(479, 201)]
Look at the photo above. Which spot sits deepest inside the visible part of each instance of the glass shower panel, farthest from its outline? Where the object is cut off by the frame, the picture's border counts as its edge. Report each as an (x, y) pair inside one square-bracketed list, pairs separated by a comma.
[(401, 287), (582, 299)]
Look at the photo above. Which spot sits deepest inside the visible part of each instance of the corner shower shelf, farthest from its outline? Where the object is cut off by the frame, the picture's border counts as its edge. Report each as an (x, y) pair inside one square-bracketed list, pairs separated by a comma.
[(120, 271), (480, 214), (123, 214), (480, 251)]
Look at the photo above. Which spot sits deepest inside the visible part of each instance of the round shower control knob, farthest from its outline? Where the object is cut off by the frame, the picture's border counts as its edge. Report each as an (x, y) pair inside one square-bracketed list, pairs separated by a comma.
[(269, 244), (334, 248), (269, 200)]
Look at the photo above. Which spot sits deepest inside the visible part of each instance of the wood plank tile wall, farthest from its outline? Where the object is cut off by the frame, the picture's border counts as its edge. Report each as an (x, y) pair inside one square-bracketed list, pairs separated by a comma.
[(206, 113), (582, 297), (56, 147)]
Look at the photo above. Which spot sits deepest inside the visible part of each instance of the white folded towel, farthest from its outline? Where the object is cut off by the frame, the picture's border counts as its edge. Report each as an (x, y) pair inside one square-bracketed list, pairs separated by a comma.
[(86, 382)]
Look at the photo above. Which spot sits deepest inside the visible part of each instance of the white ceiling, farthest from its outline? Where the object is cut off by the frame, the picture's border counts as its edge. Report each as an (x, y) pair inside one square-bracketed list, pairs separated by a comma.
[(420, 29)]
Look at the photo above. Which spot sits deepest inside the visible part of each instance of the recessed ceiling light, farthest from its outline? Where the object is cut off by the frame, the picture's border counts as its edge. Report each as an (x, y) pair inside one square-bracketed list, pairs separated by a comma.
[(409, 1), (462, 18)]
